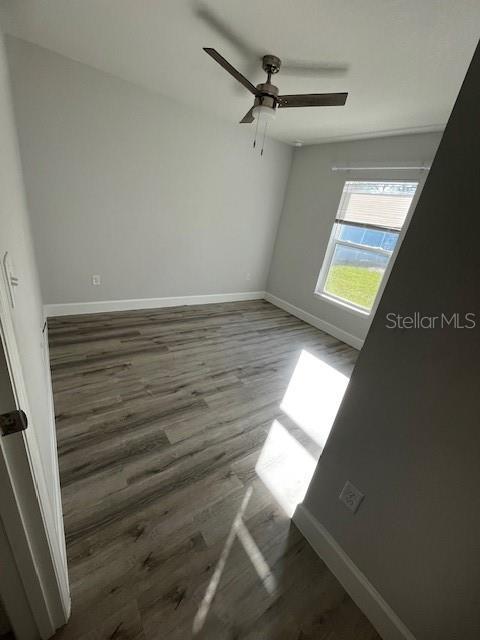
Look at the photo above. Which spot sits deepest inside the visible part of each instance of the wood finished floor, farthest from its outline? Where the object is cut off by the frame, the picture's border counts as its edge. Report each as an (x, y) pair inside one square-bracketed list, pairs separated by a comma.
[(161, 417)]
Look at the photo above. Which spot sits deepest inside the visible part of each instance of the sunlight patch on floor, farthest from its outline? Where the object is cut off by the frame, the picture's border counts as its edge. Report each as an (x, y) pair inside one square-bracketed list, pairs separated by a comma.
[(285, 467), (240, 531), (312, 399), (261, 566), (313, 396)]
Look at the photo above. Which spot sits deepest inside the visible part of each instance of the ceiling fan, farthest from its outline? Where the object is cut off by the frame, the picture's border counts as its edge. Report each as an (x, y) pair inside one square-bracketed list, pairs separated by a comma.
[(267, 98), (266, 94)]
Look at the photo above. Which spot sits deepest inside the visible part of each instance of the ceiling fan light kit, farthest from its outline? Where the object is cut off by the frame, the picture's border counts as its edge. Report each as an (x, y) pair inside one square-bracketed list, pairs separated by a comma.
[(267, 100), (262, 111)]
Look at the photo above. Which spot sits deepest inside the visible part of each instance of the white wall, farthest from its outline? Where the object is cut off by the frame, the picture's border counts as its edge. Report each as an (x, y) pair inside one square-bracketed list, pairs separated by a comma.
[(311, 203), (16, 238), (407, 433), (35, 452), (158, 199)]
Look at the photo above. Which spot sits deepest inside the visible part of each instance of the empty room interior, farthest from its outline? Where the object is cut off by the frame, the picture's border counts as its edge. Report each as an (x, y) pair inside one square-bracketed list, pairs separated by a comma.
[(239, 318)]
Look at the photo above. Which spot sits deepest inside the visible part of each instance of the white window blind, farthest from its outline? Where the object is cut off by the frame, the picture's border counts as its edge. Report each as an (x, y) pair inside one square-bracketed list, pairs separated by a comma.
[(384, 209)]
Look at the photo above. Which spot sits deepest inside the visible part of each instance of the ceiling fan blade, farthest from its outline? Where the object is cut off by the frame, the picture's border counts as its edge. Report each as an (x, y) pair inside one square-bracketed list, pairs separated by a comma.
[(303, 68), (224, 30), (231, 70), (248, 117), (313, 100)]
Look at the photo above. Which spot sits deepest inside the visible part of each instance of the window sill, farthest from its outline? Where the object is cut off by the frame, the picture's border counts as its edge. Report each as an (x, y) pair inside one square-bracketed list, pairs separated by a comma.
[(344, 305)]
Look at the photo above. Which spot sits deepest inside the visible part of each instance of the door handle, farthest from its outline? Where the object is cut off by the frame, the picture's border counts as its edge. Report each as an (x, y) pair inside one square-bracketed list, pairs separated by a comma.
[(13, 422)]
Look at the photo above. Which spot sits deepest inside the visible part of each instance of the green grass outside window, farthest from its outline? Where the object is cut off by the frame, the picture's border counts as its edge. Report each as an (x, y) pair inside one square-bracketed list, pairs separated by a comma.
[(358, 285)]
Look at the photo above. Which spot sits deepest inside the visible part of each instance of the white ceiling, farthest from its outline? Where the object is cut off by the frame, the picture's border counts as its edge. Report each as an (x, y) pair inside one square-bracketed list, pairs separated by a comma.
[(406, 58)]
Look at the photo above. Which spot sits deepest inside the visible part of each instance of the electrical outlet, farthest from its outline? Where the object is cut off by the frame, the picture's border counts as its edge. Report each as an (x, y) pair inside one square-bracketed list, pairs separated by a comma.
[(351, 496), (96, 280)]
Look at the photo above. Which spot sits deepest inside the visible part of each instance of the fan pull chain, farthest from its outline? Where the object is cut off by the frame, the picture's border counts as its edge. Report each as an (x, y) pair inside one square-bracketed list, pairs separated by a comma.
[(256, 131), (264, 134)]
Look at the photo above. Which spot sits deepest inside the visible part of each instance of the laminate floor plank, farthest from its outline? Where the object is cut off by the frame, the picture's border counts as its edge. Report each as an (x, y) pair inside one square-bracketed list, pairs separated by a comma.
[(175, 455)]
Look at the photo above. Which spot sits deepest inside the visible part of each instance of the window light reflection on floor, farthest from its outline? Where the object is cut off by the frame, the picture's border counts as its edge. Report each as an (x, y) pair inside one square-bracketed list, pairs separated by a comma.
[(311, 400), (313, 396), (285, 467), (240, 531)]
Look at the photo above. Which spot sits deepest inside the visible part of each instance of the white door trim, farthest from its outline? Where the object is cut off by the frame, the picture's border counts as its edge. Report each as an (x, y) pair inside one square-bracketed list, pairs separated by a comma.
[(57, 498), (26, 512)]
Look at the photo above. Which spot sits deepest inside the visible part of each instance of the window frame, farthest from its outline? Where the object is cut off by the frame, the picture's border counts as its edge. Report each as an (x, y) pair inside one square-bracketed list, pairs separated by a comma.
[(334, 240)]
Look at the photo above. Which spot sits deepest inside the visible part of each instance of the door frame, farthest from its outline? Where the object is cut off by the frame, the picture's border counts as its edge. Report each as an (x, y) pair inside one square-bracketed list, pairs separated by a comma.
[(31, 520)]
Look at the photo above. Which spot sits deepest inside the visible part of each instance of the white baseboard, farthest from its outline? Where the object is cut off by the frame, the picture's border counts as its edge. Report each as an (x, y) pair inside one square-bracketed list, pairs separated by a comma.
[(331, 329), (355, 583), (102, 306)]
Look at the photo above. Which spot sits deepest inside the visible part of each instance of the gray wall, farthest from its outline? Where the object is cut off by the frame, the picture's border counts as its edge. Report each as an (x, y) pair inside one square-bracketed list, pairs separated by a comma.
[(27, 316), (311, 203), (407, 433), (158, 199)]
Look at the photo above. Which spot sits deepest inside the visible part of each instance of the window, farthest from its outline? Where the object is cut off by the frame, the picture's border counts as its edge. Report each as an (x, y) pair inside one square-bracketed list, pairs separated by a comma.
[(369, 220)]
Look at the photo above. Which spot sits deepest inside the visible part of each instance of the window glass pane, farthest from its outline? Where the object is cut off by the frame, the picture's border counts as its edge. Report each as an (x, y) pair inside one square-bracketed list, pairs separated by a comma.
[(367, 228), (350, 233), (355, 275), (396, 188), (378, 238)]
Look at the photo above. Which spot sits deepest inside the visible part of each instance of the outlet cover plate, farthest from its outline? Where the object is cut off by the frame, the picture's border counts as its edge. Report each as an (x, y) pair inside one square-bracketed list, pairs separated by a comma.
[(351, 496)]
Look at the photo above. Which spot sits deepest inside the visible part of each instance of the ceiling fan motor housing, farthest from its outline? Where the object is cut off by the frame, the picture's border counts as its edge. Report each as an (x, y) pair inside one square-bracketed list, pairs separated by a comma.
[(271, 64)]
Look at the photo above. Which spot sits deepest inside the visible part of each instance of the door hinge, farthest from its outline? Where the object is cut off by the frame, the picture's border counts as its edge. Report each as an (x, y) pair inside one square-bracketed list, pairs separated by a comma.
[(13, 422)]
